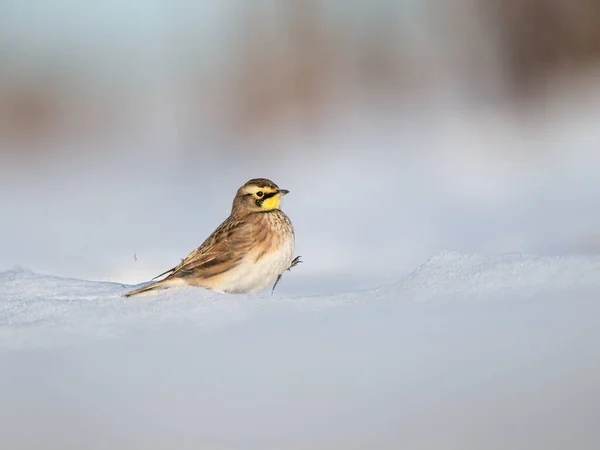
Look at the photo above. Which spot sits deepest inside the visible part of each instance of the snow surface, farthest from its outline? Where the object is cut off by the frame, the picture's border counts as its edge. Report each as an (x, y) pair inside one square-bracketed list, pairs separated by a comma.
[(356, 349), (467, 352)]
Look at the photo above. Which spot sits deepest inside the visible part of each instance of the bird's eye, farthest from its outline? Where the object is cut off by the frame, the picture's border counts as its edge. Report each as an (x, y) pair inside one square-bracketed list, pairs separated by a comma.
[(259, 194)]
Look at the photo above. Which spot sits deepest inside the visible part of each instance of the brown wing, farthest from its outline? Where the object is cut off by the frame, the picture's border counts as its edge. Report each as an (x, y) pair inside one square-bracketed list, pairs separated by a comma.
[(221, 251)]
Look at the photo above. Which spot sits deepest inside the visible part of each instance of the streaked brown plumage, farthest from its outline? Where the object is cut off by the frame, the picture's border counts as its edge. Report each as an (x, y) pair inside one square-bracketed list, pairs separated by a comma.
[(246, 253)]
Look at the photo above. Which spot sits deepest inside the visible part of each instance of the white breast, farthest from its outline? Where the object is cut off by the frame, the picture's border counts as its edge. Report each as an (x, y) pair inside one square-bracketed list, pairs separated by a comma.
[(250, 276)]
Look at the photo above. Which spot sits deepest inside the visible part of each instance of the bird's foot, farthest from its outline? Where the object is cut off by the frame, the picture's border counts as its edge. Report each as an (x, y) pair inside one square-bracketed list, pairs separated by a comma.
[(294, 263)]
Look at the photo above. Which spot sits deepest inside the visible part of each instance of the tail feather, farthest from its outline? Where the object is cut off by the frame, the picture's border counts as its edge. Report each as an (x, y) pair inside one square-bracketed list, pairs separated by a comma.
[(155, 286)]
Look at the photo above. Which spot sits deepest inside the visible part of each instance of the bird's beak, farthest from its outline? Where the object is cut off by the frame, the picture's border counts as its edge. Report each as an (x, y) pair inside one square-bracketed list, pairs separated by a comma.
[(283, 192)]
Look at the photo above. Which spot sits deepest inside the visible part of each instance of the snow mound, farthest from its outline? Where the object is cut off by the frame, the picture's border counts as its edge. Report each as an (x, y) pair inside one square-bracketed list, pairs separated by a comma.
[(451, 274), (380, 368), (42, 310)]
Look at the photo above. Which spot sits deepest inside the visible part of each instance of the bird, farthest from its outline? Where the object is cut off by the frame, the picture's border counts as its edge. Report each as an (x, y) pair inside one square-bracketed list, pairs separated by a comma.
[(245, 254)]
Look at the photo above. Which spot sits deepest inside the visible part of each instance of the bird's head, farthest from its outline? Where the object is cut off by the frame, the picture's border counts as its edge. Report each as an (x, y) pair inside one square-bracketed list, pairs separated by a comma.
[(258, 194)]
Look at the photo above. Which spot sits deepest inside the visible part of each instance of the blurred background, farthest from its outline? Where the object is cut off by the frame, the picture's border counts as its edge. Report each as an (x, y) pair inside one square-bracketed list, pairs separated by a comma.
[(402, 129)]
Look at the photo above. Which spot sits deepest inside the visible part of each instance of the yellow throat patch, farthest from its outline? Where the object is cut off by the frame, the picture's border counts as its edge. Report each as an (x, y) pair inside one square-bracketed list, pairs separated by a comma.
[(272, 202)]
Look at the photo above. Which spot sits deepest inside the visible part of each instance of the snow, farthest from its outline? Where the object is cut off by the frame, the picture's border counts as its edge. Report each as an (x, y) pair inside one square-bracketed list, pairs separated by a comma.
[(373, 342), (449, 296), (468, 351)]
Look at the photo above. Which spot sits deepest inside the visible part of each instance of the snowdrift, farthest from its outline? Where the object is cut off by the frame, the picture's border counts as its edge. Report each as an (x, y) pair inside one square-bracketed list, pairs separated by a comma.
[(467, 352)]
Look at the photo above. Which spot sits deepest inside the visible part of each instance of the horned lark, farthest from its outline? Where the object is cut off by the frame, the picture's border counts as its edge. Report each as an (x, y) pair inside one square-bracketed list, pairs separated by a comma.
[(246, 253)]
